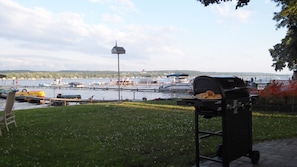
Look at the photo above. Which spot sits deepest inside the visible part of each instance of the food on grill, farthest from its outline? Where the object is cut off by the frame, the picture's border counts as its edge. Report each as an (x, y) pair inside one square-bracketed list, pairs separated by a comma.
[(208, 95), (217, 96)]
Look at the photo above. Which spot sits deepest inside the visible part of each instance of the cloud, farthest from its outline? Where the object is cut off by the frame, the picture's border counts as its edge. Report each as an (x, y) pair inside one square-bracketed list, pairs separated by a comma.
[(106, 17), (42, 40), (227, 11), (97, 1), (123, 6), (118, 6)]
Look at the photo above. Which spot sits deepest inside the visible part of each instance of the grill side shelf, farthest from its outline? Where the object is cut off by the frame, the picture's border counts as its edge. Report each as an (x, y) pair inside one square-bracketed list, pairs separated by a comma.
[(207, 107), (198, 102), (188, 102)]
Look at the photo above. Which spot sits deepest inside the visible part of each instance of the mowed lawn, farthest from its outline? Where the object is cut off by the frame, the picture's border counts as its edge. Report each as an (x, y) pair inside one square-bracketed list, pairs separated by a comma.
[(127, 134)]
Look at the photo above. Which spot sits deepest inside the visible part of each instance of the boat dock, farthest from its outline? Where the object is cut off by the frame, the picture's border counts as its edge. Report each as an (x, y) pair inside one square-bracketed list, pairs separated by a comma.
[(153, 88), (60, 101), (76, 98)]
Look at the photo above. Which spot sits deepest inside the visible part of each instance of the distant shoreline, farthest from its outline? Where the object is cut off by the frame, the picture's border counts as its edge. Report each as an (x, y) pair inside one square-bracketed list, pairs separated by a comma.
[(26, 74)]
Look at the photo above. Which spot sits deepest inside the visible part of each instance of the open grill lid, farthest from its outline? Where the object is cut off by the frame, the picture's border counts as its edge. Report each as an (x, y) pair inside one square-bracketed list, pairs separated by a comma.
[(228, 87)]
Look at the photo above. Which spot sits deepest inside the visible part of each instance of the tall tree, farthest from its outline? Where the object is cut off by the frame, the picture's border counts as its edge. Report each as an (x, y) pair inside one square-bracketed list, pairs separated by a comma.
[(283, 54), (240, 3)]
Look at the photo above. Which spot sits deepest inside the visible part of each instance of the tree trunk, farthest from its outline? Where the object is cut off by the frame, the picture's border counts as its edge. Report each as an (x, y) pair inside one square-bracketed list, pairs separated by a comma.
[(294, 77)]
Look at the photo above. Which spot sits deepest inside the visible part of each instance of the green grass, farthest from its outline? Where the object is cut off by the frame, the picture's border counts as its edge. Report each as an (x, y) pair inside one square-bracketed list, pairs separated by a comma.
[(128, 134)]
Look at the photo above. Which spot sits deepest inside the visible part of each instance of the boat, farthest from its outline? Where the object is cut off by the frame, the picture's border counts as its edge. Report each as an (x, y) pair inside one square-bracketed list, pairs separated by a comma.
[(62, 96), (44, 85), (75, 96), (126, 81), (180, 83), (147, 79), (29, 96), (179, 87), (25, 92), (56, 83), (97, 83), (4, 92), (76, 85)]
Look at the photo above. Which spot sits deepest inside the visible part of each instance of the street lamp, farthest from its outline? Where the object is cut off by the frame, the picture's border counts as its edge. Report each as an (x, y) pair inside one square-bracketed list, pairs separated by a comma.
[(118, 50)]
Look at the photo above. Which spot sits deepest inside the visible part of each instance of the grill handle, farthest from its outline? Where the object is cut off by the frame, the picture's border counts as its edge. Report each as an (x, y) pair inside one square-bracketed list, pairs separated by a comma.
[(235, 89)]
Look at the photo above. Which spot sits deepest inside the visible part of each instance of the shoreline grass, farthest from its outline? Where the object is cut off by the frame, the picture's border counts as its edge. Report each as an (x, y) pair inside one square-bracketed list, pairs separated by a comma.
[(126, 134)]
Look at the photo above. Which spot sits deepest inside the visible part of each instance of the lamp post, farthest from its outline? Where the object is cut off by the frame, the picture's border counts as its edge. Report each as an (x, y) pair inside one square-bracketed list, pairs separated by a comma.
[(118, 50)]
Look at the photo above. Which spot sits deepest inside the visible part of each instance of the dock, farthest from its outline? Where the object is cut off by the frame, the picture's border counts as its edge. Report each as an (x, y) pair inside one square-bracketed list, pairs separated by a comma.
[(66, 99), (59, 101), (64, 102), (135, 88)]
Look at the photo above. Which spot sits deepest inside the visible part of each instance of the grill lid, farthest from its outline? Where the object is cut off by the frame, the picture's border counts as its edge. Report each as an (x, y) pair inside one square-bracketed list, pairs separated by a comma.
[(228, 87)]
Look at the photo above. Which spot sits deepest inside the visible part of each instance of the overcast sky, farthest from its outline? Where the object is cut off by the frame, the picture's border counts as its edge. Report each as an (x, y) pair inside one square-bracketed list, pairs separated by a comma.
[(54, 35)]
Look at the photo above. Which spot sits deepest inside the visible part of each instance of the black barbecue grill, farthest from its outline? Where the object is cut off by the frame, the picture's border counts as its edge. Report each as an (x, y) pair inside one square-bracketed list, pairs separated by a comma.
[(234, 106)]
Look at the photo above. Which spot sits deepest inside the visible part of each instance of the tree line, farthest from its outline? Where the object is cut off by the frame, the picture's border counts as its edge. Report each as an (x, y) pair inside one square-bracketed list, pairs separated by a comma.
[(26, 74)]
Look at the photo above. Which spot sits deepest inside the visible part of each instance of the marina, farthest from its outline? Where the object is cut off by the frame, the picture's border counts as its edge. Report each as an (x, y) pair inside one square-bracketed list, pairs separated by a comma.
[(111, 93), (98, 88), (94, 90)]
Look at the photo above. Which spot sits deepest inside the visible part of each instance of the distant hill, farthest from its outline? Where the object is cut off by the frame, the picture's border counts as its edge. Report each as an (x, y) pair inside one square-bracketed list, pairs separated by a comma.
[(113, 74)]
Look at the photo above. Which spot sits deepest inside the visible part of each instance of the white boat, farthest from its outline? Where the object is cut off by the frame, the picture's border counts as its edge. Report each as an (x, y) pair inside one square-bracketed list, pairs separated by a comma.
[(178, 87), (44, 85), (76, 85), (180, 83), (147, 79)]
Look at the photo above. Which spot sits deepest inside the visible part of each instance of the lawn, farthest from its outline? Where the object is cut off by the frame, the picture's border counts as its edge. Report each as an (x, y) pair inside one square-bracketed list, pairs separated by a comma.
[(126, 134)]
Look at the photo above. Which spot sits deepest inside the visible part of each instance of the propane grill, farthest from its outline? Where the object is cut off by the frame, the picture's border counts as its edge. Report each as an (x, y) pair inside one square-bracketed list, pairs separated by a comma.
[(227, 97)]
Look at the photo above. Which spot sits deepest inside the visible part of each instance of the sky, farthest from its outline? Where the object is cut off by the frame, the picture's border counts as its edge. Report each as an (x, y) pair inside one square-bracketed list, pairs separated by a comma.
[(43, 35)]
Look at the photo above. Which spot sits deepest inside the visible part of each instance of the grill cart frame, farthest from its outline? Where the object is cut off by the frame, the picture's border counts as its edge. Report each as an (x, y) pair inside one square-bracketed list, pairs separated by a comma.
[(234, 108)]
